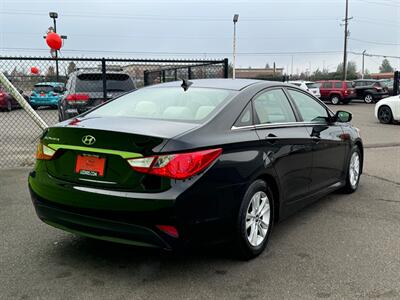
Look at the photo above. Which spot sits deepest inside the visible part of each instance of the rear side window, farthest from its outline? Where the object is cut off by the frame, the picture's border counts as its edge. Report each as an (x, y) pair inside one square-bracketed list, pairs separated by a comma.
[(246, 117), (273, 107), (327, 85), (338, 85), (169, 103), (94, 83), (349, 84)]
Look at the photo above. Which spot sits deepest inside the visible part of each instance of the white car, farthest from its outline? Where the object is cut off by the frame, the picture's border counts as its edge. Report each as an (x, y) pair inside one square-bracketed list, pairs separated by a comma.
[(387, 110), (309, 86)]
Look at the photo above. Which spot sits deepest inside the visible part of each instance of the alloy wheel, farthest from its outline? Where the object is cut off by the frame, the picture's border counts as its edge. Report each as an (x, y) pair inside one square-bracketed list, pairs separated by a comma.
[(354, 169), (258, 218), (335, 100), (368, 99), (385, 115)]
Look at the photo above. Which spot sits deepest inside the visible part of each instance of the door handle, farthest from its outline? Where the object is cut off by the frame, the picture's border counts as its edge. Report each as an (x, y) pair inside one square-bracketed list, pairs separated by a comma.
[(271, 138)]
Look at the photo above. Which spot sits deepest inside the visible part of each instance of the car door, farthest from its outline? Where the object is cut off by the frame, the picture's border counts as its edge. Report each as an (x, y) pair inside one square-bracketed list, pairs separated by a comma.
[(286, 144), (329, 141)]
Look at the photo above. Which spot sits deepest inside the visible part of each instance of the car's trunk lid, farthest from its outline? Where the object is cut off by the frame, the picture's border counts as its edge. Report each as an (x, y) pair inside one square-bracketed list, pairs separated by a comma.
[(94, 152)]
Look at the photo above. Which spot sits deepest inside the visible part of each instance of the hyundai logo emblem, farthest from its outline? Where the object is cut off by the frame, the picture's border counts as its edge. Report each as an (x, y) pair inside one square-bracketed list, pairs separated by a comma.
[(88, 140)]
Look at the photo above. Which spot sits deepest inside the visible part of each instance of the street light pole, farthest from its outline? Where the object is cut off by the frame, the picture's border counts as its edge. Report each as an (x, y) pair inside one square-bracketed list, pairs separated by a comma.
[(362, 69), (235, 19), (54, 16)]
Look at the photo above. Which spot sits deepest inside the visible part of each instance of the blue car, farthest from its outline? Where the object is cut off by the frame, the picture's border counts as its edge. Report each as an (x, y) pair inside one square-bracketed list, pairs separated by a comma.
[(46, 94)]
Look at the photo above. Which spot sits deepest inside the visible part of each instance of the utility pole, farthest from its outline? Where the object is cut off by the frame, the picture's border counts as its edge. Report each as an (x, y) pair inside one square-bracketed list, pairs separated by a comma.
[(346, 33), (291, 70), (362, 68)]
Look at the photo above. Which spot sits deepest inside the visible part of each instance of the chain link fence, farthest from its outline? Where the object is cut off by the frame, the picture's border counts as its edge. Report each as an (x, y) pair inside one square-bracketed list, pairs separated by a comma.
[(63, 88)]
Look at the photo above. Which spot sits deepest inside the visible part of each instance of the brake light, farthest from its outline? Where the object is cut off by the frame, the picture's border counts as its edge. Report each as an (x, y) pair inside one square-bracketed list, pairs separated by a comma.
[(175, 166), (77, 97), (44, 152), (168, 229), (1, 94)]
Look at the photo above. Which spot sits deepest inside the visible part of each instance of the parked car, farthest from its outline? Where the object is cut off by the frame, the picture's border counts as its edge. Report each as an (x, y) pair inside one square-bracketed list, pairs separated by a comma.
[(7, 102), (337, 91), (388, 110), (46, 94), (371, 90), (213, 160), (309, 86), (84, 90)]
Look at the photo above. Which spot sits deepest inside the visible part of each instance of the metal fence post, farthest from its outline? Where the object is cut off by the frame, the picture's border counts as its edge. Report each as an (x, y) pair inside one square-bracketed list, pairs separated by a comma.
[(163, 76), (103, 74), (396, 78), (189, 72), (146, 78), (226, 68)]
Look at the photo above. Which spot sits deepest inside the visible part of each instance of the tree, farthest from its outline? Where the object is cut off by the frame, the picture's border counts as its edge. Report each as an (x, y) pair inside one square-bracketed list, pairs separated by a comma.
[(351, 70), (71, 67), (386, 67)]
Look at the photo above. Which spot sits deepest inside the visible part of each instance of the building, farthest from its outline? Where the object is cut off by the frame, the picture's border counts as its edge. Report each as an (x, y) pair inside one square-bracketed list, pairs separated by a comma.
[(258, 72), (389, 75)]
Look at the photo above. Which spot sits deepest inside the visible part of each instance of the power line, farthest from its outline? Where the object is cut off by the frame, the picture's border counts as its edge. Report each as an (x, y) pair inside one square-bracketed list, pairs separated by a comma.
[(373, 42), (182, 53)]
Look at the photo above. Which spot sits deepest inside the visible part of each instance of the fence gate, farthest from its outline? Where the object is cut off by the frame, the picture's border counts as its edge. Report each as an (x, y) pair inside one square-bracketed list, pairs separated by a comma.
[(35, 78)]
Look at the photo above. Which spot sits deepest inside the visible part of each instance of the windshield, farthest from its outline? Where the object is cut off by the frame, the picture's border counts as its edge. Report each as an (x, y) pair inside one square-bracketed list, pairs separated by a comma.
[(312, 85), (43, 88), (94, 83), (171, 103)]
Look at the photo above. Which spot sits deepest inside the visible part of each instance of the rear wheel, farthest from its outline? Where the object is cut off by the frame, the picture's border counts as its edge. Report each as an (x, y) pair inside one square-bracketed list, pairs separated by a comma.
[(353, 171), (335, 99), (9, 106), (255, 220), (385, 115), (368, 99)]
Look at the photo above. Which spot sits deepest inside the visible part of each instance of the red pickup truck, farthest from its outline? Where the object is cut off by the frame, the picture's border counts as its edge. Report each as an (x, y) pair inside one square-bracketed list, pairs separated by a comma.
[(337, 91)]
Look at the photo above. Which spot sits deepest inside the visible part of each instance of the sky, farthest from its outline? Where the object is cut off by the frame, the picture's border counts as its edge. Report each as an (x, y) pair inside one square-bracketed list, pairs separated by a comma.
[(307, 32)]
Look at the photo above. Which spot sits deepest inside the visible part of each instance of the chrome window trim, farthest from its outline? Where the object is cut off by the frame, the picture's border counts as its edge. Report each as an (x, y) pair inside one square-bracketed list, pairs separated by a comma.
[(278, 125)]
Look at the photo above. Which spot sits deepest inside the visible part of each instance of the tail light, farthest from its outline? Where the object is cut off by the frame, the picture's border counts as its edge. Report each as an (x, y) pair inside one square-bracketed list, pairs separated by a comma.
[(44, 152), (175, 166), (1, 94), (346, 92), (77, 98), (168, 229)]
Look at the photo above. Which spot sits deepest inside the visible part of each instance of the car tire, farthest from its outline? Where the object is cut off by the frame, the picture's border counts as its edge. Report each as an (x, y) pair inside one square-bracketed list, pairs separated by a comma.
[(255, 220), (353, 171), (368, 98), (335, 99), (9, 106), (385, 115)]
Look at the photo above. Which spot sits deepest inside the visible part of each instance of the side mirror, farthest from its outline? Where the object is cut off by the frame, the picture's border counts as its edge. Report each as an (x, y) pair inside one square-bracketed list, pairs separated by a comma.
[(343, 116)]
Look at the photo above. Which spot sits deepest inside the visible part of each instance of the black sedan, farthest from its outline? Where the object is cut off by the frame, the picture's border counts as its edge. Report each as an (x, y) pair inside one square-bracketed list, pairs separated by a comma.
[(204, 161)]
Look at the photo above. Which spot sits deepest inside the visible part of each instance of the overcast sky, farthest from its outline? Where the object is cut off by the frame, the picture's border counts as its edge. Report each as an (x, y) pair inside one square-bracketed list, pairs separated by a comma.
[(268, 31)]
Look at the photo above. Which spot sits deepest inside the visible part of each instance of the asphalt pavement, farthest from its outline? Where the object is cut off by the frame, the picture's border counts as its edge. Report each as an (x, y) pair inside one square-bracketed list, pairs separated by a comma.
[(343, 246)]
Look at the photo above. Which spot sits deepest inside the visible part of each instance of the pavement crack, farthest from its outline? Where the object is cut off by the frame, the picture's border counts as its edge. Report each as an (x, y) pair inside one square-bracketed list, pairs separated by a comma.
[(383, 145), (389, 200), (382, 178)]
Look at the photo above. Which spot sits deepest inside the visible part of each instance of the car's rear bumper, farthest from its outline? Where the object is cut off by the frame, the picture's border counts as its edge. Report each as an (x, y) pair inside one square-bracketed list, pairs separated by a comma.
[(94, 226), (200, 214), (43, 101)]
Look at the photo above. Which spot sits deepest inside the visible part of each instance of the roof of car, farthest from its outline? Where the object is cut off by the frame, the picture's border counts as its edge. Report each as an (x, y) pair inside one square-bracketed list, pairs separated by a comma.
[(228, 83)]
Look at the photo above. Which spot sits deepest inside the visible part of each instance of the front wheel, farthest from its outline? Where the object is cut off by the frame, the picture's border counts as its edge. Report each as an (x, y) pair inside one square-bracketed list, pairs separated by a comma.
[(368, 99), (353, 171), (255, 220), (385, 115)]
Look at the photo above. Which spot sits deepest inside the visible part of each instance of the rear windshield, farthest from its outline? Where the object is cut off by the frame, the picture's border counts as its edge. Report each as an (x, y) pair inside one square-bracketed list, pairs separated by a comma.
[(312, 85), (43, 88), (94, 83), (170, 103)]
